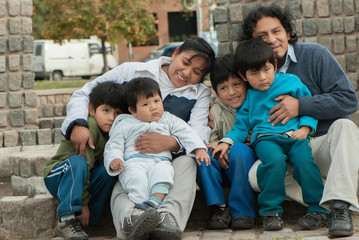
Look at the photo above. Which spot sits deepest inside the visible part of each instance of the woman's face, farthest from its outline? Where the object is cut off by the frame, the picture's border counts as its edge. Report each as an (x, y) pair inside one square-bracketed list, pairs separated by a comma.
[(185, 70)]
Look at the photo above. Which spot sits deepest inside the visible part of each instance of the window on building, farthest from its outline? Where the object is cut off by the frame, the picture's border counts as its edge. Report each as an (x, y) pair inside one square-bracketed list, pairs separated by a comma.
[(182, 25)]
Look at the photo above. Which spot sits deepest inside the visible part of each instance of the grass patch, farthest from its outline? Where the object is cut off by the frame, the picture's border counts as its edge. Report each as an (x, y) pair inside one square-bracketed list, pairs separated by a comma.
[(46, 84)]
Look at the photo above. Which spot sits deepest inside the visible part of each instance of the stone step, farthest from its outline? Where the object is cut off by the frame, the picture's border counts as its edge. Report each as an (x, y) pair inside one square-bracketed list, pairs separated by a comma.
[(22, 217), (51, 122), (31, 213), (26, 169)]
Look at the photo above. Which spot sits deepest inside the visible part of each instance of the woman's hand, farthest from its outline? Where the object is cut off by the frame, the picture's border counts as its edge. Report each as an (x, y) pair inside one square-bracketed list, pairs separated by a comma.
[(155, 143), (79, 137)]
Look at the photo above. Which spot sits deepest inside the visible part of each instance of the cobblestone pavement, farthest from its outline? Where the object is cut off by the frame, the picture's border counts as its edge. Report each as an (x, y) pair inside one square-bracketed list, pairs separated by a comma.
[(290, 232)]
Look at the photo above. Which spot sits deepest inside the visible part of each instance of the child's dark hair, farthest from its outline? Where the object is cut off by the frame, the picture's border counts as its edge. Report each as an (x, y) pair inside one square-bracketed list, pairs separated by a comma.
[(202, 49), (252, 54), (109, 93), (222, 69), (274, 10), (140, 86)]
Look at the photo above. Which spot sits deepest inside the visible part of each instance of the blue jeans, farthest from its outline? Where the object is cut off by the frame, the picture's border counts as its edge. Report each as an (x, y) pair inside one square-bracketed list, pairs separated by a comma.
[(66, 183), (212, 178)]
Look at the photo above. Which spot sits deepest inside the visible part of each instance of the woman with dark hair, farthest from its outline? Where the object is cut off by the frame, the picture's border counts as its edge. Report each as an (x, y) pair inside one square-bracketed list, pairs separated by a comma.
[(180, 79)]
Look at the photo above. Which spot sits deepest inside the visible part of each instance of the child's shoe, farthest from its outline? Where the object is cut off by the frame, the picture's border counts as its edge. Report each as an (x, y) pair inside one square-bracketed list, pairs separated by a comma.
[(71, 229), (139, 223), (313, 220), (220, 218), (145, 205), (272, 222), (242, 222)]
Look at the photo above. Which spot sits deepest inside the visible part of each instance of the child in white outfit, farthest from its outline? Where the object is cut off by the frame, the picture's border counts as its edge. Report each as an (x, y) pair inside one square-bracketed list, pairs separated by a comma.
[(147, 177)]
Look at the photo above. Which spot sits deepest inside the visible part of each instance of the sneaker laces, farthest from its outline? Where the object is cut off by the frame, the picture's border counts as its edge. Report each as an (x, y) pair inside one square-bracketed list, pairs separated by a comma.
[(134, 212), (75, 225), (170, 218), (340, 213)]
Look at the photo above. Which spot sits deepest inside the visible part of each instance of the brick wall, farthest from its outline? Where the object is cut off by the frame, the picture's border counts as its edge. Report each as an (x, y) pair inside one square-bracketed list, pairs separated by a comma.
[(17, 99), (30, 117)]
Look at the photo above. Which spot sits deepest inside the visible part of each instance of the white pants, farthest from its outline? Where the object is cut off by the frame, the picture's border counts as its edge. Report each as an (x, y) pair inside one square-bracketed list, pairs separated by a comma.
[(140, 174), (337, 155), (178, 202)]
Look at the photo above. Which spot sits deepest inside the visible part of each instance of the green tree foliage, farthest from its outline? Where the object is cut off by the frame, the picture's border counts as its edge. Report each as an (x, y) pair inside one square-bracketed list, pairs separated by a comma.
[(40, 15), (109, 20)]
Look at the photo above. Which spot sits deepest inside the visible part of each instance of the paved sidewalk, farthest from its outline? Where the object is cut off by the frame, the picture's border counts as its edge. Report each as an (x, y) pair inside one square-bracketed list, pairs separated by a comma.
[(290, 232)]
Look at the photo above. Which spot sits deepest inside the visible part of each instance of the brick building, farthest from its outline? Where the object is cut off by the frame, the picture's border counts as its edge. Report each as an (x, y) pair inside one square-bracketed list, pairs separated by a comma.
[(173, 18)]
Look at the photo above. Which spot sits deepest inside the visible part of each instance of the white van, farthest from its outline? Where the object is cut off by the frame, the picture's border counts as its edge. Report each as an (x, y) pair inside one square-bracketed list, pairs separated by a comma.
[(75, 58)]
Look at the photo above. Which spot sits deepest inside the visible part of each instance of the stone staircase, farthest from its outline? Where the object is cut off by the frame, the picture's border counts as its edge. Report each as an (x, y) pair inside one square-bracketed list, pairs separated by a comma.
[(30, 212)]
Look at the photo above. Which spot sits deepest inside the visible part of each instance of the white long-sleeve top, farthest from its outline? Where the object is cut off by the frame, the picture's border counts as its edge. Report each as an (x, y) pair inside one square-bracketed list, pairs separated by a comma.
[(190, 103), (127, 128)]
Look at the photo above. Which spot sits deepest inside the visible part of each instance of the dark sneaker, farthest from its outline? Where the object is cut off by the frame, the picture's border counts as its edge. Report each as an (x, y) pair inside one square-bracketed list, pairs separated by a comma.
[(140, 223), (220, 218), (167, 229), (71, 229), (242, 222), (272, 222), (313, 220), (340, 223)]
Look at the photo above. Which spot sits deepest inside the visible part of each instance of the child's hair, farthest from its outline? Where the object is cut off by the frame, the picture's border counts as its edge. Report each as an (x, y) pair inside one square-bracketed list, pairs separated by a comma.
[(252, 54), (223, 68), (140, 86), (202, 49), (275, 11), (109, 93)]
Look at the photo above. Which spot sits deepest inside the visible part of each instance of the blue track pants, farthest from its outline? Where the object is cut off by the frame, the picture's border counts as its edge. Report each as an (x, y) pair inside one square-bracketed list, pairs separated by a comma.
[(67, 180)]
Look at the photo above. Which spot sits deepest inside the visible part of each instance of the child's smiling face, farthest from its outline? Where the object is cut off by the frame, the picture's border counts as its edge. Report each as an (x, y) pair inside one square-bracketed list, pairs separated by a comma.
[(232, 92)]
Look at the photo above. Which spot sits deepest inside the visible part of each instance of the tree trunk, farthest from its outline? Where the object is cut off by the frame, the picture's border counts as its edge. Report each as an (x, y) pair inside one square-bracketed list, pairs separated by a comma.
[(104, 52)]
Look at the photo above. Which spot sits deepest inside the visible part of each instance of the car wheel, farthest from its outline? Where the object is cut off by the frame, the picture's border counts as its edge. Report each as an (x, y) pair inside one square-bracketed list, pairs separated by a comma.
[(57, 75)]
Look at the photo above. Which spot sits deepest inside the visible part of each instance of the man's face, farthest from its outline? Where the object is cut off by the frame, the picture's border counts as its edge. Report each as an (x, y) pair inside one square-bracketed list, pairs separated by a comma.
[(273, 33)]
